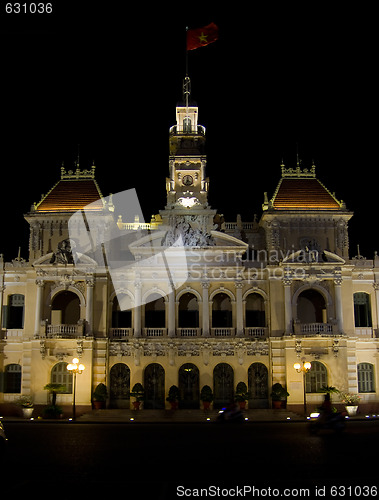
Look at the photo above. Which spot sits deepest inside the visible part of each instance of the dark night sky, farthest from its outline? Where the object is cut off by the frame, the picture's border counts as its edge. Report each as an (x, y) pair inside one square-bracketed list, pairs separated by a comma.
[(109, 79)]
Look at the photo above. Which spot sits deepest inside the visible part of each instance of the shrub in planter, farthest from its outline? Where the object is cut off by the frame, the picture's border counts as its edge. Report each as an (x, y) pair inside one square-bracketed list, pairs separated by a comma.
[(138, 392), (99, 396), (206, 396), (242, 394), (173, 396), (278, 394)]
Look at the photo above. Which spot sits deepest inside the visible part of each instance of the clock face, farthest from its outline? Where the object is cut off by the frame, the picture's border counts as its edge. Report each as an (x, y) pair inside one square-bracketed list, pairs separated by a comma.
[(187, 180)]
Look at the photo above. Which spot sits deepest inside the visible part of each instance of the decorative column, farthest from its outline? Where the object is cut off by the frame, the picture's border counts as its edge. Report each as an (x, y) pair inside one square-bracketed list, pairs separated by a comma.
[(205, 285), (137, 308), (376, 288), (171, 312), (90, 283), (2, 289), (338, 299), (239, 311), (287, 282), (38, 313)]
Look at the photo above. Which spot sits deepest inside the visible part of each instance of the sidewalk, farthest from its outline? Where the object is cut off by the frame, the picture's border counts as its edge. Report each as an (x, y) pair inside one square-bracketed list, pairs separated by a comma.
[(184, 416)]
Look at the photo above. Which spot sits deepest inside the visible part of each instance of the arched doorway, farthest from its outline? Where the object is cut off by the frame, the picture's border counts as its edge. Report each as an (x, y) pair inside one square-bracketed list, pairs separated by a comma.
[(222, 316), (65, 308), (122, 311), (154, 385), (188, 311), (189, 386), (258, 385), (223, 385), (119, 386), (255, 310), (311, 307), (155, 312)]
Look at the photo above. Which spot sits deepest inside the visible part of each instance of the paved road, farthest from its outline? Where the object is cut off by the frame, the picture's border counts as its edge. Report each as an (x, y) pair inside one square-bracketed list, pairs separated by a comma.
[(153, 459)]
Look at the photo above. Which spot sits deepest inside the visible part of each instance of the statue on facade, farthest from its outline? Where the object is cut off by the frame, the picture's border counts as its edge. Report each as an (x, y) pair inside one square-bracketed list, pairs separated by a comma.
[(63, 255)]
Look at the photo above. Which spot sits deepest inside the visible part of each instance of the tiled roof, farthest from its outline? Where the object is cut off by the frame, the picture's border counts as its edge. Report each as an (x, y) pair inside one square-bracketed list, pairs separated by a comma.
[(71, 195), (303, 194)]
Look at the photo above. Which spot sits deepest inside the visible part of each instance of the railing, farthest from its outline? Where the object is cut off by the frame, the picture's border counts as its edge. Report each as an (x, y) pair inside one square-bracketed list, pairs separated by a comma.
[(313, 328), (14, 335), (222, 332), (64, 330), (366, 332), (189, 332), (120, 333), (155, 332), (256, 331), (187, 131)]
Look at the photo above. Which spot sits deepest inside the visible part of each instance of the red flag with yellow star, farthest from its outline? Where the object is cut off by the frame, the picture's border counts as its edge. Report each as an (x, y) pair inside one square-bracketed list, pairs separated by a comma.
[(200, 37)]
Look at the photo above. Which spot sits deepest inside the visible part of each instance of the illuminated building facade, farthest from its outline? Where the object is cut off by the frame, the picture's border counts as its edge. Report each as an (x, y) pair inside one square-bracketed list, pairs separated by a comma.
[(253, 299)]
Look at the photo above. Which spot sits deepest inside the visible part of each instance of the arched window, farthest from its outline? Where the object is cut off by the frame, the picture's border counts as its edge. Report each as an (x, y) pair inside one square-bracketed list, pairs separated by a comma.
[(316, 378), (60, 375), (187, 124), (12, 378), (365, 377), (362, 310), (222, 311), (255, 310), (188, 311)]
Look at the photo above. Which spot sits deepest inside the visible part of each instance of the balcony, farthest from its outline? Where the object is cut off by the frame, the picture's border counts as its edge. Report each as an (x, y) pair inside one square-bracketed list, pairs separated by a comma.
[(365, 332), (65, 331), (315, 329), (120, 333), (256, 332), (155, 332), (189, 332), (223, 332)]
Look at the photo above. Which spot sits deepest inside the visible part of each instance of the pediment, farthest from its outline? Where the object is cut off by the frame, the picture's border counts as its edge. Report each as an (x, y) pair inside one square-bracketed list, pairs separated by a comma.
[(309, 256)]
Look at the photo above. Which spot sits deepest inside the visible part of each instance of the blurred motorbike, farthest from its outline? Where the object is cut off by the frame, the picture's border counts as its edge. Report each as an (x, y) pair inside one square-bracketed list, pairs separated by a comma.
[(335, 422), (231, 414)]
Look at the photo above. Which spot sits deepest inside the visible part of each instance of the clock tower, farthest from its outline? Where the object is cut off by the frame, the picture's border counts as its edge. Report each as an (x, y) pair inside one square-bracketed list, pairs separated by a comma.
[(187, 184)]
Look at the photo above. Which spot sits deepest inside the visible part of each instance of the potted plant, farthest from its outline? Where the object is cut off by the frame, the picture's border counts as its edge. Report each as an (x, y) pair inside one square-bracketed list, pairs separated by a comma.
[(99, 396), (278, 395), (54, 411), (138, 393), (26, 404), (242, 394), (206, 396), (173, 397), (350, 401)]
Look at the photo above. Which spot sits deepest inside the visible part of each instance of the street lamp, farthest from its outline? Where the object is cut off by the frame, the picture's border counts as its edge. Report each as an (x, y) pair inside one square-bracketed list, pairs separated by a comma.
[(305, 367), (74, 368)]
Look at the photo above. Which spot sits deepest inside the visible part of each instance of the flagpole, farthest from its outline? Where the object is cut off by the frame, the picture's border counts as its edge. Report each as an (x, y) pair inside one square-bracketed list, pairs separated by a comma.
[(186, 85)]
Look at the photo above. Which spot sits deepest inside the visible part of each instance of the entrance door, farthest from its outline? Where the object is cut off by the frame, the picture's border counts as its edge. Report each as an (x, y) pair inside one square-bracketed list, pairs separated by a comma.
[(258, 385), (189, 386), (119, 386), (154, 382), (223, 385)]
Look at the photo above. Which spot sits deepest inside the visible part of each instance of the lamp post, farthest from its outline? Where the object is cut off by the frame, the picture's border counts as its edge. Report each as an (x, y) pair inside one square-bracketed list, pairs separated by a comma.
[(304, 368), (74, 368)]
